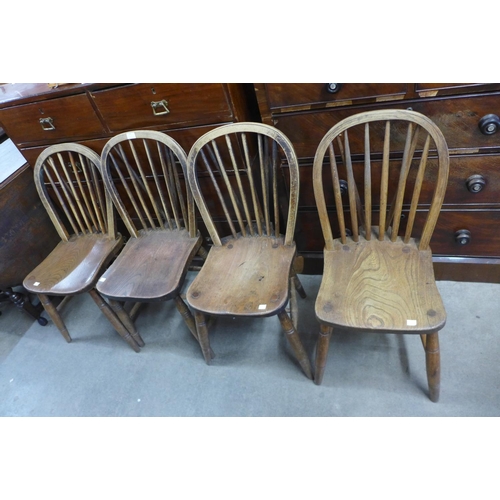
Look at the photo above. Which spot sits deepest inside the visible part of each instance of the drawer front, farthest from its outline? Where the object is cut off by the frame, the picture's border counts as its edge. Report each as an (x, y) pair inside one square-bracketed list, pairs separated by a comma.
[(163, 105), (282, 95), (438, 89), (448, 237), (484, 238), (473, 180), (458, 119), (66, 118)]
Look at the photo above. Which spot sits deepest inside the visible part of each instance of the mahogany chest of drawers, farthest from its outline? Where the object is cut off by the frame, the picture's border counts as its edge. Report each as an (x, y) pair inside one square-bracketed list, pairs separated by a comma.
[(466, 242)]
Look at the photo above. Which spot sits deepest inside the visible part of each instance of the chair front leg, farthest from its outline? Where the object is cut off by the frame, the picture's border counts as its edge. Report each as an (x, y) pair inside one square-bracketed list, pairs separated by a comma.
[(295, 343), (124, 317), (322, 346), (202, 330), (433, 365), (54, 315), (113, 319)]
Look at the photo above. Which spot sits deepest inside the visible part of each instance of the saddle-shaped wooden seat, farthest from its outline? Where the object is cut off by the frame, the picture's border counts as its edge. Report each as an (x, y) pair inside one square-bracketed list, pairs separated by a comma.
[(244, 276), (150, 267)]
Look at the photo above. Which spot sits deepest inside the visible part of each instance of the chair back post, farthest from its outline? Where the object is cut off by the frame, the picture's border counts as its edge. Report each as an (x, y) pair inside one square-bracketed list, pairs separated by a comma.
[(74, 173), (412, 118), (260, 162), (145, 161)]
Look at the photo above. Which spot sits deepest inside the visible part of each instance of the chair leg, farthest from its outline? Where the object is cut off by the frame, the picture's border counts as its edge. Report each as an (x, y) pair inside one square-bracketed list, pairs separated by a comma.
[(54, 315), (293, 307), (186, 315), (298, 285), (124, 317), (201, 328), (294, 340), (113, 319), (322, 346), (433, 365)]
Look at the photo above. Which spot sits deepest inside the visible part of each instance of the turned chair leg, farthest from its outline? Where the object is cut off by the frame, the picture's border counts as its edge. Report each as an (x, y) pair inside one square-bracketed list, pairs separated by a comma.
[(433, 365), (113, 319), (124, 317), (186, 315), (293, 308), (322, 346), (202, 330), (295, 343), (54, 315)]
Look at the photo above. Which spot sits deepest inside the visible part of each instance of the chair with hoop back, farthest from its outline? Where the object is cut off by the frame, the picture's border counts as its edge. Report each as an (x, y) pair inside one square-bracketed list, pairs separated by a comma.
[(386, 172), (69, 183), (145, 174), (235, 176)]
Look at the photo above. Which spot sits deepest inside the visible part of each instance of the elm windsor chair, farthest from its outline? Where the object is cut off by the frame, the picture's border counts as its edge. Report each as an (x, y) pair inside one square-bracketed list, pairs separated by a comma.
[(378, 275), (145, 174), (234, 174), (82, 214)]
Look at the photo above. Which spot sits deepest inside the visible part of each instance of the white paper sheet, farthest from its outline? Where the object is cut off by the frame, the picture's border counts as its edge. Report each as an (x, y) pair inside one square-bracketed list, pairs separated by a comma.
[(10, 159)]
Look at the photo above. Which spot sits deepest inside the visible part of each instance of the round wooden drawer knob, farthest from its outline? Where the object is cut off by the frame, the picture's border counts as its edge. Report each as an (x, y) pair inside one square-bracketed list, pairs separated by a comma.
[(475, 183), (333, 88), (463, 237), (489, 124)]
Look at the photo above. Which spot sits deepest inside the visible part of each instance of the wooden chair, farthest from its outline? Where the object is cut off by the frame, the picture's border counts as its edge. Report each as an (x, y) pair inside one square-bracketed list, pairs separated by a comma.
[(234, 174), (69, 183), (145, 174), (378, 273)]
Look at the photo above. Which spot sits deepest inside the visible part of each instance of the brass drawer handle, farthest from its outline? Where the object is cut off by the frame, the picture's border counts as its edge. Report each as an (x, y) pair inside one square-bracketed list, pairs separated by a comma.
[(475, 183), (160, 107), (463, 237), (489, 124), (47, 123), (333, 88)]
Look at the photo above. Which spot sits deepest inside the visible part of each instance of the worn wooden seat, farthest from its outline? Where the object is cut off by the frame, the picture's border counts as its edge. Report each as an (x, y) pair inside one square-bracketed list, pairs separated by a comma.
[(234, 173), (68, 180), (145, 174), (378, 274)]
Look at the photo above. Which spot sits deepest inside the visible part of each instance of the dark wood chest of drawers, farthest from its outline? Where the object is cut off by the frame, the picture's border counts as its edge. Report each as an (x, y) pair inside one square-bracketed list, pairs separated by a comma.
[(466, 242)]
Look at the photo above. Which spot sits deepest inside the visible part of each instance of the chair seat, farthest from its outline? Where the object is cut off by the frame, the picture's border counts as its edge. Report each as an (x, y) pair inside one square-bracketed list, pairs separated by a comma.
[(247, 276), (380, 286), (150, 267), (73, 266)]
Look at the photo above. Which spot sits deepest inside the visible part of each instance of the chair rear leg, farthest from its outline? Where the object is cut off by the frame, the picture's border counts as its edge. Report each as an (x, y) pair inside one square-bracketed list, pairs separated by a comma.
[(124, 317), (202, 330), (322, 346), (433, 365), (113, 319), (294, 340), (298, 285), (54, 315)]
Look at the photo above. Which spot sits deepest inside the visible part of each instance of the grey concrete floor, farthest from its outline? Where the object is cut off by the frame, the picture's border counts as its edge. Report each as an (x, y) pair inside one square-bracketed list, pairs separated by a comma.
[(254, 372)]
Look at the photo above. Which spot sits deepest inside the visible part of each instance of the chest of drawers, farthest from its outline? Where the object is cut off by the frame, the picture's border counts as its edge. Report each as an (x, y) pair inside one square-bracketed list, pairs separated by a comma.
[(466, 242)]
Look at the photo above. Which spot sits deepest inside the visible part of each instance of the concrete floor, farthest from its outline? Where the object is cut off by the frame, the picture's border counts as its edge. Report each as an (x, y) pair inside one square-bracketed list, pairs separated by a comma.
[(254, 372)]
